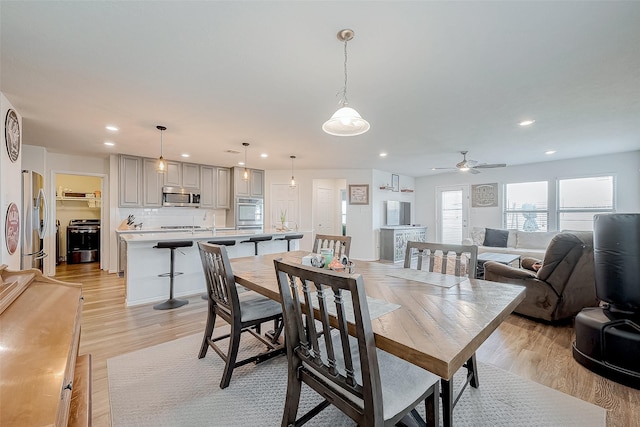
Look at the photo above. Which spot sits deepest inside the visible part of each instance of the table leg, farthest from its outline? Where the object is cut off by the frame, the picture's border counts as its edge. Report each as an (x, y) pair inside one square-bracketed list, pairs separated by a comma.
[(472, 371)]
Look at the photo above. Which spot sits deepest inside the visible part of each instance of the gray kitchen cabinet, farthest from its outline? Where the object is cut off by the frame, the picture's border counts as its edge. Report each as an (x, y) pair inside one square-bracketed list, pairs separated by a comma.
[(151, 184), (253, 187), (190, 175), (208, 187), (130, 177), (223, 185), (393, 241), (173, 174)]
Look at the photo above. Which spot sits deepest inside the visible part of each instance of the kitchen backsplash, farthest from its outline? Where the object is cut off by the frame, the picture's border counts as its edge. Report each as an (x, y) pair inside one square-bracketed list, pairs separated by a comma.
[(155, 218)]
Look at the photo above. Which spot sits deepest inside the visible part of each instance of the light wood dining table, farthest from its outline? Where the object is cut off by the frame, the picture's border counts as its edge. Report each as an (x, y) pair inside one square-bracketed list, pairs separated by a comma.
[(437, 328)]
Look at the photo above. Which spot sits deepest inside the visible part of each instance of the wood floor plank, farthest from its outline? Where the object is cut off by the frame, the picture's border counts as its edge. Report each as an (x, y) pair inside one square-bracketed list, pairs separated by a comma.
[(532, 350)]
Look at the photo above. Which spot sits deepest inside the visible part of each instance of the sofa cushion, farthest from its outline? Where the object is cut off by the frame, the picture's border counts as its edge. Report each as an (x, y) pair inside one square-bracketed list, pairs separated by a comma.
[(534, 239), (477, 235), (496, 238)]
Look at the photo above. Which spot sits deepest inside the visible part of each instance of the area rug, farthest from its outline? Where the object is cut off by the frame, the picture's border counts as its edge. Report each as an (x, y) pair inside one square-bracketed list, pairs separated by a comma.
[(167, 385)]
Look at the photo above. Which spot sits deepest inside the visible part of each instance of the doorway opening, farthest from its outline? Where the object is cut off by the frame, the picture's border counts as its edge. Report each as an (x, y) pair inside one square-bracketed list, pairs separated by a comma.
[(329, 211), (78, 217)]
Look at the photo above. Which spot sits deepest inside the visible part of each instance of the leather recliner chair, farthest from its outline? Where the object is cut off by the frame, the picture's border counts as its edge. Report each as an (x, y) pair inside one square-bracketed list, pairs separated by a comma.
[(564, 284), (608, 337)]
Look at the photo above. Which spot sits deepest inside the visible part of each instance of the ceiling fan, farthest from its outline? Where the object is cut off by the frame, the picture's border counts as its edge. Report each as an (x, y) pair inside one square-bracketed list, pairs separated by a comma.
[(472, 166)]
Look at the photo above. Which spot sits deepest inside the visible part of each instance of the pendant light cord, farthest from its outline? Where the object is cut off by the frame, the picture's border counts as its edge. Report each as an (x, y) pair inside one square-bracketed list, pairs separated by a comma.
[(344, 90)]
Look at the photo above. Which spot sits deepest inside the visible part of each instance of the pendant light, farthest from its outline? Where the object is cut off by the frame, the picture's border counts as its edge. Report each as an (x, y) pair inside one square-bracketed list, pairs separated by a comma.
[(293, 180), (245, 174), (346, 121), (161, 164)]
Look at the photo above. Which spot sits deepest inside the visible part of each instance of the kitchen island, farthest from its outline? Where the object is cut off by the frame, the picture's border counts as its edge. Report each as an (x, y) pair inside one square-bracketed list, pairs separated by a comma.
[(143, 263)]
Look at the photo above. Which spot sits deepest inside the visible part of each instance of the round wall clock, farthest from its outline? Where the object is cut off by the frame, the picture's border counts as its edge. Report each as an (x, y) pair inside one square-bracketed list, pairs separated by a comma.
[(12, 228), (12, 135)]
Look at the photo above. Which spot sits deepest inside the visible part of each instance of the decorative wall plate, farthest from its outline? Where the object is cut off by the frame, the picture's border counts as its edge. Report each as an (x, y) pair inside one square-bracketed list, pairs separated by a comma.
[(12, 135), (12, 228)]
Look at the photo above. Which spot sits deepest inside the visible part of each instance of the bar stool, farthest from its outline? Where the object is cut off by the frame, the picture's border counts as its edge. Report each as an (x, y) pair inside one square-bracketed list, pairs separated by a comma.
[(172, 245), (257, 239), (289, 238), (205, 296)]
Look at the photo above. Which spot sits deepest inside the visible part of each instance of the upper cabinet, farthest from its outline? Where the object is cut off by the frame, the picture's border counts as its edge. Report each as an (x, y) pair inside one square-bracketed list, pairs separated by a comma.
[(141, 186), (182, 175), (152, 184), (207, 187), (130, 181), (252, 187), (223, 200)]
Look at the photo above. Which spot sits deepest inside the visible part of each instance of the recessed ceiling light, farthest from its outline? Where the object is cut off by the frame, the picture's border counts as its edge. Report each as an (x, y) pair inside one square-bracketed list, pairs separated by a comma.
[(185, 155), (383, 154), (241, 163), (550, 152), (112, 128), (526, 122), (264, 155), (109, 143)]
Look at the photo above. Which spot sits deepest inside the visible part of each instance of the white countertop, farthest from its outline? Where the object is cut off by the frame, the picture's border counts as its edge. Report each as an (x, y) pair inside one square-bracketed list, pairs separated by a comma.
[(155, 235)]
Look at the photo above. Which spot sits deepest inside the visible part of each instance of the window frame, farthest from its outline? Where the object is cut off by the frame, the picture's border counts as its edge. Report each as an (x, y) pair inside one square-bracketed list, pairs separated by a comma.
[(560, 211), (506, 211)]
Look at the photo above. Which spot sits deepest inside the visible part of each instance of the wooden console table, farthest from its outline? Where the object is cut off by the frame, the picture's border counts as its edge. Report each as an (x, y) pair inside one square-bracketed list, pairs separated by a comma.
[(43, 381)]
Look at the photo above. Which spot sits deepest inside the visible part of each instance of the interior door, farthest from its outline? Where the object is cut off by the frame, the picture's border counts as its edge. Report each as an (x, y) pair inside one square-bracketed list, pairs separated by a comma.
[(325, 211), (284, 202), (452, 212)]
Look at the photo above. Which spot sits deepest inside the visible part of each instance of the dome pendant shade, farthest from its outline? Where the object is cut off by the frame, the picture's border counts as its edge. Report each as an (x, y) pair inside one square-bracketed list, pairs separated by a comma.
[(346, 122)]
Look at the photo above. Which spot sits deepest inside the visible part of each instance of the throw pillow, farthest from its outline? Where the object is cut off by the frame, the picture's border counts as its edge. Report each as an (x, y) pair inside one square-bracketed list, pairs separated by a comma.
[(496, 238)]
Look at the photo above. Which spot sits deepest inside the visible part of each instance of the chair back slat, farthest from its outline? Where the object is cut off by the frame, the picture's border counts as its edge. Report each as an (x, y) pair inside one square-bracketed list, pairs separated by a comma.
[(458, 260), (221, 285), (334, 365), (341, 245)]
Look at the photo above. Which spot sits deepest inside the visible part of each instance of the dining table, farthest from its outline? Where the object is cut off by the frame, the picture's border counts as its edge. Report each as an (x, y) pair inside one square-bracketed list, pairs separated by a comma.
[(438, 321)]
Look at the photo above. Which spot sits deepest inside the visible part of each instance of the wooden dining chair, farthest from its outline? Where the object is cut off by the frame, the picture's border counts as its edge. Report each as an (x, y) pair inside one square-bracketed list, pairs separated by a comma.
[(245, 312), (340, 244), (371, 386), (458, 260)]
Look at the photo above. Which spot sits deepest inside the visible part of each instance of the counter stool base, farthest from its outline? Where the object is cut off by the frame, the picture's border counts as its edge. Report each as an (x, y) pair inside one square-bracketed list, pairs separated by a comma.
[(170, 303)]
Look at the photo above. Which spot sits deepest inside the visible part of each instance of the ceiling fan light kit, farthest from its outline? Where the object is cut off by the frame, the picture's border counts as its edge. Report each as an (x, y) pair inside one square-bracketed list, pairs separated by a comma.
[(346, 121)]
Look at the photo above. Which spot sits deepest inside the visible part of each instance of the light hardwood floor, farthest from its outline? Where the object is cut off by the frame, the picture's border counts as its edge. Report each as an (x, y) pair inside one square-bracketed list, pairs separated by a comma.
[(532, 350)]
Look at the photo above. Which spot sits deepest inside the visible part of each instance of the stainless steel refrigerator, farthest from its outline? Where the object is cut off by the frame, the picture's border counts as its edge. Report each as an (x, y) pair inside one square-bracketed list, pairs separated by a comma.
[(35, 216)]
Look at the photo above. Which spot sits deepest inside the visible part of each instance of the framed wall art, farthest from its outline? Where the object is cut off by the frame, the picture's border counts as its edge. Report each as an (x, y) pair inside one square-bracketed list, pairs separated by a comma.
[(359, 194), (12, 135), (395, 182), (12, 228), (484, 195)]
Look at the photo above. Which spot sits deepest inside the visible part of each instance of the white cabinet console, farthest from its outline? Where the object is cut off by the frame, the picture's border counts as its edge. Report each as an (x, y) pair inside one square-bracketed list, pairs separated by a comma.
[(393, 240)]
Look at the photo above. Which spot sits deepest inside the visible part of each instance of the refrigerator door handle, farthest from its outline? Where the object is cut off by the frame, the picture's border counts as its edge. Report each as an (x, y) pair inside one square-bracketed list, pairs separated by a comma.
[(42, 226), (41, 255)]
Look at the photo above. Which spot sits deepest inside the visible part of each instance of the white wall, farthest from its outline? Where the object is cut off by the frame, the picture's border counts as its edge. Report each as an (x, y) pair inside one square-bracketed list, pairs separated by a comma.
[(10, 183), (624, 166), (363, 221)]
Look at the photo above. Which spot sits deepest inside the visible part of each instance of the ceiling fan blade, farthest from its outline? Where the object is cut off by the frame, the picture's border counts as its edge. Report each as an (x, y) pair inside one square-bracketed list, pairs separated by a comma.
[(491, 165), (443, 168), (473, 170)]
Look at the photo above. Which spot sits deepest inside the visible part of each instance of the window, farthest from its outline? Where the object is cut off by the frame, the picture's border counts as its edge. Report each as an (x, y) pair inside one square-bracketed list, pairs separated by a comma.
[(525, 206), (579, 199)]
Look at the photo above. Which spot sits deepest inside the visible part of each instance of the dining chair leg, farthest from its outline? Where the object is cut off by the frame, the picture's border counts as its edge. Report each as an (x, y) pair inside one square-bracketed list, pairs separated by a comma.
[(208, 333), (232, 355), (447, 402), (431, 403), (294, 387)]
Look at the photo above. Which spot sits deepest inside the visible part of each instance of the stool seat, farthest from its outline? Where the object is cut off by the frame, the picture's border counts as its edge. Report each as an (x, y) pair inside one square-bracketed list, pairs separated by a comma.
[(169, 244), (223, 242), (257, 239), (172, 245), (289, 238)]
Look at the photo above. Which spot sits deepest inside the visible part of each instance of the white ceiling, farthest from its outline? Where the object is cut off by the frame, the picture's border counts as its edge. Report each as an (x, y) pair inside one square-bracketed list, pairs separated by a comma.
[(432, 78)]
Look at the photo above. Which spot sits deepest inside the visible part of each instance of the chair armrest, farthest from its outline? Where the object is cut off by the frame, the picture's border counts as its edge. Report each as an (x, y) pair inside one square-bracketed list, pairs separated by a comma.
[(494, 271)]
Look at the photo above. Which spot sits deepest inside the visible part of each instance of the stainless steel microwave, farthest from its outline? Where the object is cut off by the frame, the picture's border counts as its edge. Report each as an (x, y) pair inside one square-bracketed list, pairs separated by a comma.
[(180, 197)]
